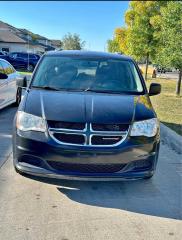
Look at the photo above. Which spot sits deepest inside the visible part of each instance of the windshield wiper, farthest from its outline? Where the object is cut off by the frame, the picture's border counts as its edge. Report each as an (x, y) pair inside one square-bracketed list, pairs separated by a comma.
[(46, 88), (110, 92), (71, 89), (92, 90), (58, 89), (99, 91)]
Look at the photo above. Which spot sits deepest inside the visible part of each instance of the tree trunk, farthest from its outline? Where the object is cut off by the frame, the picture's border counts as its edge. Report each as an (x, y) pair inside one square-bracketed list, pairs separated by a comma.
[(178, 86), (146, 68)]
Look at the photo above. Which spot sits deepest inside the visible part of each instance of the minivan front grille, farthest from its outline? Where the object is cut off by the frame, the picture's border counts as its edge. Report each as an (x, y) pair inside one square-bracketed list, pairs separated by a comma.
[(86, 168), (66, 125), (88, 134), (70, 138), (105, 140)]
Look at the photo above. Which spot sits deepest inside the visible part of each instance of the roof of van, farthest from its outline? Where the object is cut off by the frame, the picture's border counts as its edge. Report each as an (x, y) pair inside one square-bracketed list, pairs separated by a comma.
[(91, 54)]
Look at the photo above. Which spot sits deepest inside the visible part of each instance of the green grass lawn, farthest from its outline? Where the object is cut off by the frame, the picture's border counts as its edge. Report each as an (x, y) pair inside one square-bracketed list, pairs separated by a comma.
[(167, 105), (25, 73)]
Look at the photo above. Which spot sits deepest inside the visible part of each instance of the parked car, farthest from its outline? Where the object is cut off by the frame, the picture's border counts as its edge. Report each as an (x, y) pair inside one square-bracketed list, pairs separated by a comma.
[(87, 115), (9, 90), (163, 69), (21, 60), (2, 54)]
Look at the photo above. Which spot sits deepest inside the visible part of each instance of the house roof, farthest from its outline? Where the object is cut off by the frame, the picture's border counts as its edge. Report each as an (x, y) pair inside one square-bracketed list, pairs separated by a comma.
[(4, 25), (55, 42), (37, 36), (35, 43), (8, 36), (12, 34)]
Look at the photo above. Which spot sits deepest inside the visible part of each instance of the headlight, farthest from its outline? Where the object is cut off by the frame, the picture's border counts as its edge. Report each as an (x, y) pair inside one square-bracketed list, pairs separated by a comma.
[(29, 122), (146, 128)]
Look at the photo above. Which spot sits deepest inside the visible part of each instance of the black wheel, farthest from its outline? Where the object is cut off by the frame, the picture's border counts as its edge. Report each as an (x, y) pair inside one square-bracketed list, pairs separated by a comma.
[(30, 68), (18, 96)]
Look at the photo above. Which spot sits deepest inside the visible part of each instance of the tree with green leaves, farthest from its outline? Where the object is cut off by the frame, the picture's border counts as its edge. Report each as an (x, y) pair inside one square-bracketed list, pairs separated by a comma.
[(169, 27), (139, 38), (118, 43), (141, 33), (113, 45), (72, 42)]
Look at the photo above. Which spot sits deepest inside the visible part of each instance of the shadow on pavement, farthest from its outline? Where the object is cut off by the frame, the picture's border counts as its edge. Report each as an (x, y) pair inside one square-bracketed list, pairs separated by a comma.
[(159, 196), (176, 127)]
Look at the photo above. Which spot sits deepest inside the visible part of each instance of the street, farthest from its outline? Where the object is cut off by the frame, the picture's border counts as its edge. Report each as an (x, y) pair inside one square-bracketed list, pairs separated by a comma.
[(169, 75), (48, 209)]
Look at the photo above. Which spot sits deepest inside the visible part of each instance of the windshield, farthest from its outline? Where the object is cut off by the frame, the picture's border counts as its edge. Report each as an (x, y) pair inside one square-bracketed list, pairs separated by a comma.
[(83, 74)]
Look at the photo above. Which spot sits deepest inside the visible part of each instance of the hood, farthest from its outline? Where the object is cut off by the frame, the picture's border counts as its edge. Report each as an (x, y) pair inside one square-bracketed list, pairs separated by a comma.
[(87, 107)]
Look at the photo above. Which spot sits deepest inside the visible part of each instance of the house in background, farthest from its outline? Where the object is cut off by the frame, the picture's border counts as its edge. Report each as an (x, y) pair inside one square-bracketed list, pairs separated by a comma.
[(43, 41), (56, 44), (22, 40), (9, 42)]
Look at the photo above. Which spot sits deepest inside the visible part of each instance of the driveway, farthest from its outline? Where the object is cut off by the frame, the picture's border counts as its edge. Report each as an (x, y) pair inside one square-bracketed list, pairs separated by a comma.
[(44, 209), (6, 120)]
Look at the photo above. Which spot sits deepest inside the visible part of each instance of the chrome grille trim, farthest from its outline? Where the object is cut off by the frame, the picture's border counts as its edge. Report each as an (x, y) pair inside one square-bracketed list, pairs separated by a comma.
[(88, 133), (106, 145), (109, 133), (68, 130), (64, 143)]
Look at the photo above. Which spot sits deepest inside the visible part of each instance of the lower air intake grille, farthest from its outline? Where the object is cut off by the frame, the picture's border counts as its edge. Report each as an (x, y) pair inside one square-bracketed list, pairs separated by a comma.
[(142, 164), (86, 168), (30, 160)]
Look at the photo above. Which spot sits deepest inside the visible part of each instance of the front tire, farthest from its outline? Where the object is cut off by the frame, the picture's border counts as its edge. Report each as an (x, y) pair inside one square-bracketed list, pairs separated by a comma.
[(18, 96), (30, 68)]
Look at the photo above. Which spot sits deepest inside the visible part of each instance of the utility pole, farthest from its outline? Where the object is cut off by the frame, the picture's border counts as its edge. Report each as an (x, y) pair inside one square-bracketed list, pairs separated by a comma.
[(28, 50)]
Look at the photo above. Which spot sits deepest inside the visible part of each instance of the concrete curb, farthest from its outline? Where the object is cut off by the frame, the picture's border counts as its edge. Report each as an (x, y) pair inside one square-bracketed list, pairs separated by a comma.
[(171, 138)]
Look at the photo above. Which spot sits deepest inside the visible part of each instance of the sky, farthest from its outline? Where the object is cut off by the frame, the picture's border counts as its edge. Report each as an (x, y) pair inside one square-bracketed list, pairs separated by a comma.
[(93, 21)]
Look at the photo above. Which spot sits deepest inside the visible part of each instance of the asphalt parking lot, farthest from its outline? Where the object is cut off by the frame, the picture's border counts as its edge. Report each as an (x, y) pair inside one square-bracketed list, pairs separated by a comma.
[(44, 209)]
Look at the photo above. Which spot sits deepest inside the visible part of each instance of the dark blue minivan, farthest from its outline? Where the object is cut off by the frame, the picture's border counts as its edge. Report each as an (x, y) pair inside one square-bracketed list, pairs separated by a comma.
[(87, 115)]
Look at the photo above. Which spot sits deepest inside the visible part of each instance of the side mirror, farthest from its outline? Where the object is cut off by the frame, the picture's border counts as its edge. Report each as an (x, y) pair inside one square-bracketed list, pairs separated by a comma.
[(155, 88), (22, 82), (3, 76)]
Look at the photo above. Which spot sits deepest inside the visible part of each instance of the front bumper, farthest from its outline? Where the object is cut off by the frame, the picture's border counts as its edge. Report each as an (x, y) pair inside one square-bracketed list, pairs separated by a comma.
[(35, 153)]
